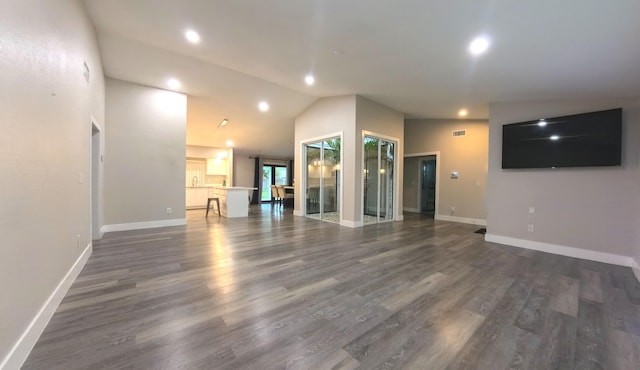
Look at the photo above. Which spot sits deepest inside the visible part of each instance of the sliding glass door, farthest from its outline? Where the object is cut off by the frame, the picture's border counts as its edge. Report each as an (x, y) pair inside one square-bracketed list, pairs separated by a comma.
[(379, 178), (272, 175), (322, 180)]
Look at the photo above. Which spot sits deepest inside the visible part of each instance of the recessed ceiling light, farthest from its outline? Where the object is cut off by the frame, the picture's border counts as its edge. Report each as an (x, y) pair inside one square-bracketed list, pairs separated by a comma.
[(309, 80), (263, 106), (229, 143), (542, 123), (192, 36), (479, 45), (463, 112), (554, 137), (173, 83)]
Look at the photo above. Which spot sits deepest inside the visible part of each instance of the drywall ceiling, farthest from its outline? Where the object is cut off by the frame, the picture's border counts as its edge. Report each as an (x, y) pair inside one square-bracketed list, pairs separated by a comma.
[(409, 55)]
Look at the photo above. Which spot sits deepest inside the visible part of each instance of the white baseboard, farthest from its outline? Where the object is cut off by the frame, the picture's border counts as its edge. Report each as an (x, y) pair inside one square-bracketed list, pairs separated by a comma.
[(400, 218), (297, 213), (145, 225), (21, 349), (464, 220), (614, 259), (351, 224), (412, 210)]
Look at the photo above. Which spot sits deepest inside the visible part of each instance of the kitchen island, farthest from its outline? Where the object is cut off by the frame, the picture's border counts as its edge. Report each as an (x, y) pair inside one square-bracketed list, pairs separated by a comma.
[(234, 200)]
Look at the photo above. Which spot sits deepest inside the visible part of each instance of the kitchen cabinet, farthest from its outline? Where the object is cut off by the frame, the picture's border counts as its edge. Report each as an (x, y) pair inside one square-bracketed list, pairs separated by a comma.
[(216, 166), (196, 197)]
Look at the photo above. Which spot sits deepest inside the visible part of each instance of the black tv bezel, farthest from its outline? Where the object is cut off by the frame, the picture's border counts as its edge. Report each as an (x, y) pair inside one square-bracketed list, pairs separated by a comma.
[(617, 125)]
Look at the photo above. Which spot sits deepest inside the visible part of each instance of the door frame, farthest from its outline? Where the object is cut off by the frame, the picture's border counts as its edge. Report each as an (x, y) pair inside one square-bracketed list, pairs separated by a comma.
[(419, 197), (273, 178), (301, 196), (397, 209), (96, 193)]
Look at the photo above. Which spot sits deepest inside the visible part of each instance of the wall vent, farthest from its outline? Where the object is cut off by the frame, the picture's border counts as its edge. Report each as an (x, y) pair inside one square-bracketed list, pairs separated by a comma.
[(460, 133)]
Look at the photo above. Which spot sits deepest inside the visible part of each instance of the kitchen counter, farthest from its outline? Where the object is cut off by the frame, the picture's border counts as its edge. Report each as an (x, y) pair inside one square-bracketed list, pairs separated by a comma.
[(234, 200)]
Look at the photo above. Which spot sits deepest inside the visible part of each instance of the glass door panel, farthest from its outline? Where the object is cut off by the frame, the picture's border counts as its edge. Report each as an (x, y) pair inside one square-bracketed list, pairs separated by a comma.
[(370, 173), (281, 176), (323, 179), (266, 183), (386, 180), (313, 178), (330, 180), (378, 177)]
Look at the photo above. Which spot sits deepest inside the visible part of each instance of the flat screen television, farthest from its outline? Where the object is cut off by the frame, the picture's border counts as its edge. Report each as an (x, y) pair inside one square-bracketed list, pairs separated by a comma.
[(579, 140)]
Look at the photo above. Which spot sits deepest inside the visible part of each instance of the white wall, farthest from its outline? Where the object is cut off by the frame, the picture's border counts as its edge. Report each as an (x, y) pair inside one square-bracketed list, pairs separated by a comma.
[(145, 155), (328, 116), (592, 209), (467, 155), (45, 166), (243, 170)]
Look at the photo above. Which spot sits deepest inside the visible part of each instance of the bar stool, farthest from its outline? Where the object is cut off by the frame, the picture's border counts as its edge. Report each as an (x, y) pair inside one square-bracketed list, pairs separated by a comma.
[(209, 205)]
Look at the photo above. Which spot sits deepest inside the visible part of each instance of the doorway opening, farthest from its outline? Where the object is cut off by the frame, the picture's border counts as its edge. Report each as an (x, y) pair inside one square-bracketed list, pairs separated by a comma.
[(428, 168), (96, 182)]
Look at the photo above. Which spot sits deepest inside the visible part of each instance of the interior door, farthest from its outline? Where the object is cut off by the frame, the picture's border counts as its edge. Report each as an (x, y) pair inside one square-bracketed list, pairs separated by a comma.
[(428, 186)]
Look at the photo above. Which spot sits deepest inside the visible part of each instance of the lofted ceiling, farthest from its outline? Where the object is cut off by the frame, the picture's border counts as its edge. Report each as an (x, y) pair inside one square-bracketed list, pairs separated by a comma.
[(410, 55)]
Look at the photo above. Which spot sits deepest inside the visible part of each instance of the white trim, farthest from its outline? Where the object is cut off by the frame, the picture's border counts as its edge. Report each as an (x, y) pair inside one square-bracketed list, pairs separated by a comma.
[(399, 218), (464, 220), (298, 213), (636, 268), (145, 225), (562, 250), (351, 224), (397, 207), (412, 210), (23, 346), (421, 154)]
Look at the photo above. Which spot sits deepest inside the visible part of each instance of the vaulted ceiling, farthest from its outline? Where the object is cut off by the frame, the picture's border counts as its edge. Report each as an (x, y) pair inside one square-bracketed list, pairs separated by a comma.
[(411, 55)]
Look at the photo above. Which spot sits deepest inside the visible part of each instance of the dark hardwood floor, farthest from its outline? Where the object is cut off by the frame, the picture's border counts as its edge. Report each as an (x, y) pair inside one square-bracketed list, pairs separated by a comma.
[(275, 291)]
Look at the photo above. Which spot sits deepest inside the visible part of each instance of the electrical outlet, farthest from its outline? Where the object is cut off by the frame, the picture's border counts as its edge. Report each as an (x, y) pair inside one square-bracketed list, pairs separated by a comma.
[(169, 211), (530, 228), (532, 210)]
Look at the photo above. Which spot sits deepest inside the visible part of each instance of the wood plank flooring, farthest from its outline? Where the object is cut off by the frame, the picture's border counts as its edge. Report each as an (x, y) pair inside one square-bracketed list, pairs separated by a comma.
[(275, 291)]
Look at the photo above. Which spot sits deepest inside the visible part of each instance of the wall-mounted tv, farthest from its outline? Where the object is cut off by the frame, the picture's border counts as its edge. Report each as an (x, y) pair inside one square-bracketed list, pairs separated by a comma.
[(579, 140)]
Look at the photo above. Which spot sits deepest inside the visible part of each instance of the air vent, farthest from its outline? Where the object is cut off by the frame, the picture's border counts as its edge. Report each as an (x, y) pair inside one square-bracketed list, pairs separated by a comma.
[(460, 133)]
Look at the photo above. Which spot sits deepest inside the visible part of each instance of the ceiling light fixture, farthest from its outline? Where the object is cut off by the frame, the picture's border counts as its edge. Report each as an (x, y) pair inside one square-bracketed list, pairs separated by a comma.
[(192, 36), (479, 45), (229, 143), (554, 137), (463, 112), (309, 80), (173, 83), (223, 123), (263, 106), (542, 123)]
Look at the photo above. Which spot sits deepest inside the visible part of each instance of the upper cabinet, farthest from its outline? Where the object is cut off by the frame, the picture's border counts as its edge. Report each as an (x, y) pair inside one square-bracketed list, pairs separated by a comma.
[(216, 166)]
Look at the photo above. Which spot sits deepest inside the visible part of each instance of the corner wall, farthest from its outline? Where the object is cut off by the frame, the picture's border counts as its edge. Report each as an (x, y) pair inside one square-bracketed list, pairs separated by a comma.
[(378, 119), (468, 155), (144, 157), (583, 212), (328, 116), (45, 162)]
